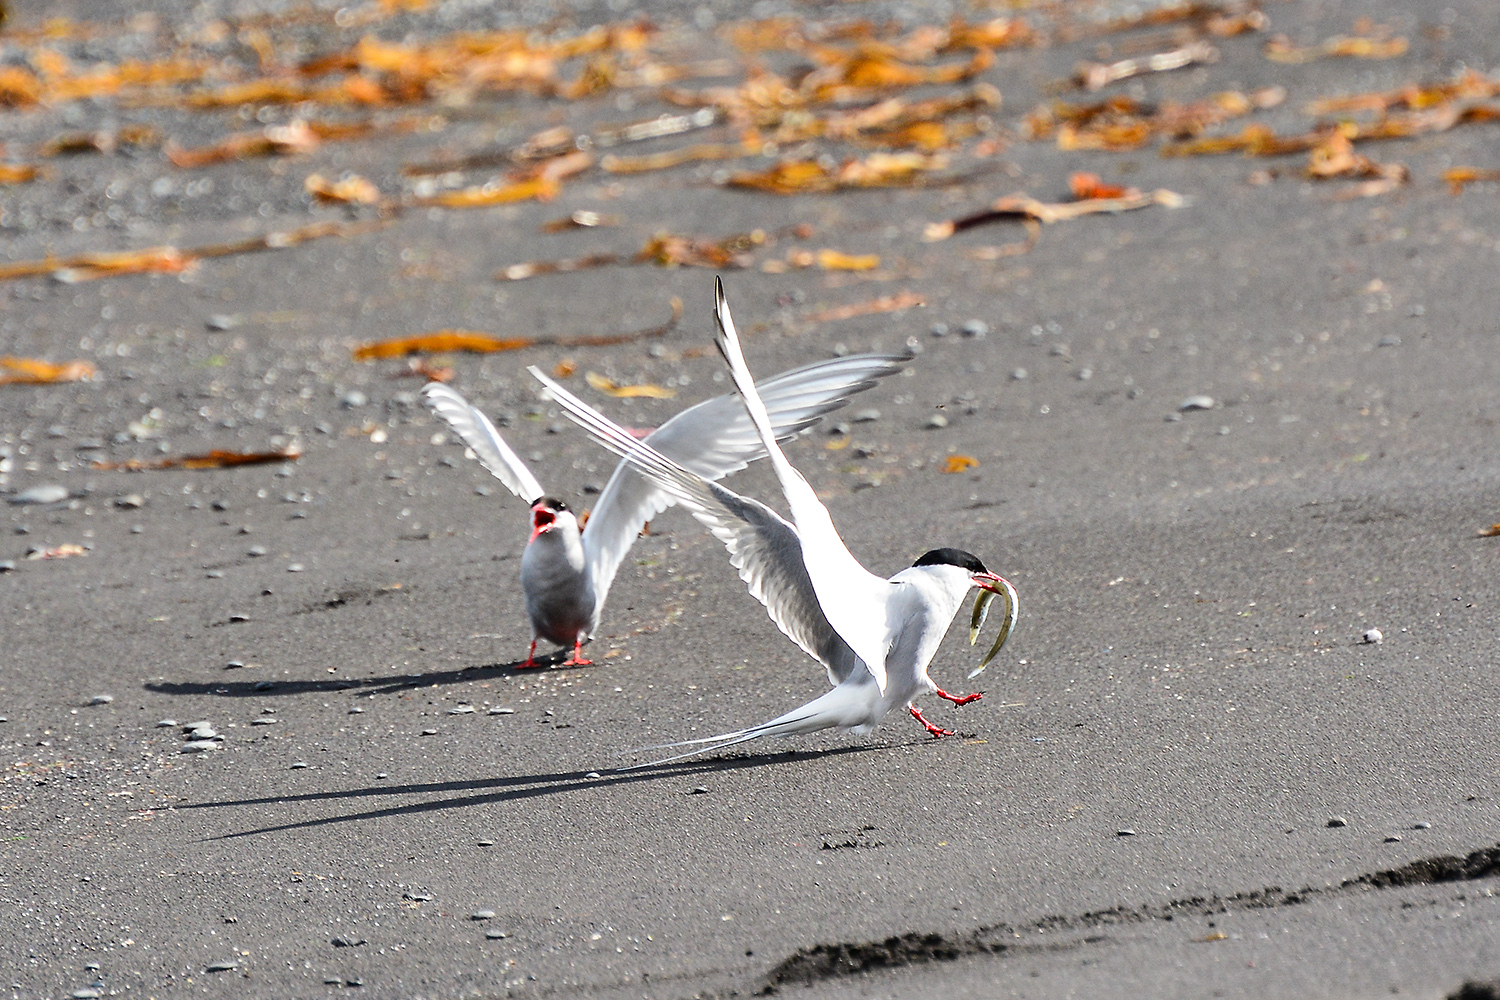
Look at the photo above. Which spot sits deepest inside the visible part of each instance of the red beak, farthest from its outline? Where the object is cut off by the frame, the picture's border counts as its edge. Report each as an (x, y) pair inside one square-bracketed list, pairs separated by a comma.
[(988, 581)]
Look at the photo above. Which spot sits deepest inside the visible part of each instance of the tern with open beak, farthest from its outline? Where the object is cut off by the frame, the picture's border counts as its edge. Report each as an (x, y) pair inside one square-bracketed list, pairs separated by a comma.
[(874, 636), (566, 570)]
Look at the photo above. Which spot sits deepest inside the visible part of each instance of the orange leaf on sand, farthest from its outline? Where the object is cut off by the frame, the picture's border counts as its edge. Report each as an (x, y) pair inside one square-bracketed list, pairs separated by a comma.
[(1085, 186), (959, 463), (611, 388), (351, 190), (440, 342), (1492, 531), (18, 173), (206, 460), (1459, 177), (884, 304), (27, 371), (536, 189)]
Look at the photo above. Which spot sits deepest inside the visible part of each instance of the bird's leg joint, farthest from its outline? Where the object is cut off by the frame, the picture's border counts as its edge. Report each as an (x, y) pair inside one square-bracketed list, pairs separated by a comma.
[(936, 731), (960, 699)]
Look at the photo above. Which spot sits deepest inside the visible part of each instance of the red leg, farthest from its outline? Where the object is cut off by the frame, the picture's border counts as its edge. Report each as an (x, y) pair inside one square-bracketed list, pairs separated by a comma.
[(577, 660), (530, 657), (934, 730), (960, 699)]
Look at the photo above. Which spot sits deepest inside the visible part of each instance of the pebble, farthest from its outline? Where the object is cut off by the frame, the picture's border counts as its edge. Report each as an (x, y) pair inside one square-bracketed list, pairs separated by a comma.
[(215, 574), (834, 430), (132, 500), (1019, 374), (200, 724), (221, 967), (1372, 635), (7, 565), (298, 765), (238, 618), (198, 746), (87, 993), (866, 416), (461, 710), (1394, 838), (223, 321), (699, 790), (495, 935), (1391, 340), (936, 422), (235, 665), (256, 551), (101, 699), (295, 568), (1423, 825), (975, 328), (486, 843), (205, 733), (265, 685), (1125, 831), (167, 724), (353, 399), (593, 774), (356, 710), (1084, 374), (938, 329), (47, 493), (263, 721), (1172, 418), (1337, 821), (1196, 403), (380, 775), (340, 942), (482, 915), (502, 711), (429, 732), (417, 897)]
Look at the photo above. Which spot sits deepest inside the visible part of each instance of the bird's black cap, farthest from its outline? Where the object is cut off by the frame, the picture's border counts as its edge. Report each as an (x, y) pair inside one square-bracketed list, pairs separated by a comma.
[(551, 503), (952, 557)]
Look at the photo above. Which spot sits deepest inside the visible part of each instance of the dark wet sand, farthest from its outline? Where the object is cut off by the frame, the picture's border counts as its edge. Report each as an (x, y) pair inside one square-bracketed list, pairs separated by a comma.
[(1140, 805)]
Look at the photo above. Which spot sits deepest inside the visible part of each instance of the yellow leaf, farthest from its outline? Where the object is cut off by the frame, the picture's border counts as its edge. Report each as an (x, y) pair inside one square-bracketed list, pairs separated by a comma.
[(959, 463), (610, 388)]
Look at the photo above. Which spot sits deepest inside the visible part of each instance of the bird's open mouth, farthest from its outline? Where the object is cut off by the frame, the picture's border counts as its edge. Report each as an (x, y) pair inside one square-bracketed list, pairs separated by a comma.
[(542, 520)]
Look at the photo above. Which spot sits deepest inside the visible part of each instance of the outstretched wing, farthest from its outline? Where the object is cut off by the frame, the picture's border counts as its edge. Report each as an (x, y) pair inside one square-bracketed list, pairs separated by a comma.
[(714, 439), (855, 601), (762, 545), (470, 424)]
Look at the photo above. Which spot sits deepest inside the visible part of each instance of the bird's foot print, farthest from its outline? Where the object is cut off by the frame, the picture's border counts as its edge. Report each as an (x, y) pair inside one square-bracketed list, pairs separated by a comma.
[(938, 732), (960, 699)]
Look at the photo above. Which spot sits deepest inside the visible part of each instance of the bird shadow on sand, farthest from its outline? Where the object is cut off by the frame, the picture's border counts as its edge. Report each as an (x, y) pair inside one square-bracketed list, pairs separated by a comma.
[(490, 791), (382, 684)]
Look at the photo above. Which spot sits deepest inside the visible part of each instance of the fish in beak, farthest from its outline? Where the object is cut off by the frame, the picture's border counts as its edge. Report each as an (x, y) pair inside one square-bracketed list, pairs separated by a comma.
[(992, 586)]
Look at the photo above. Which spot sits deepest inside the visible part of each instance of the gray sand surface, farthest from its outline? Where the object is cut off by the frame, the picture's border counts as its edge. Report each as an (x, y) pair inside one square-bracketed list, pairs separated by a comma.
[(1141, 805)]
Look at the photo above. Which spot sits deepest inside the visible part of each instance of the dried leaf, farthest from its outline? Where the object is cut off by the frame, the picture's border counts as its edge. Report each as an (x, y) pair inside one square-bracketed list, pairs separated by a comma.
[(18, 173), (350, 190), (530, 269), (672, 250), (87, 267), (538, 189), (1085, 186), (64, 551), (610, 388), (274, 140), (792, 177), (207, 460), (1281, 49), (884, 304), (959, 463), (566, 368), (1017, 207), (1458, 177), (1492, 531), (441, 342), (833, 260), (28, 371)]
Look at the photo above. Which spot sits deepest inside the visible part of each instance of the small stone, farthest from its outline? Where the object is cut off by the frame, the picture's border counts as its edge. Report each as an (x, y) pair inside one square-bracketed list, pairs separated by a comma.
[(101, 699), (837, 429), (353, 399), (200, 724), (167, 724), (936, 422), (866, 416), (263, 721), (7, 565), (417, 897), (976, 329), (1337, 821), (495, 935), (340, 942), (356, 710), (482, 915), (333, 981), (131, 501), (198, 746), (1196, 403), (1125, 831), (1372, 636), (1390, 340), (223, 321), (1084, 374), (1422, 825), (47, 493), (699, 790), (486, 843), (215, 574), (938, 329), (502, 711), (235, 665), (354, 982), (429, 732), (1173, 418), (1394, 838), (239, 618), (256, 551), (86, 993), (221, 967), (295, 567), (593, 774), (381, 775), (461, 710), (265, 685), (298, 765)]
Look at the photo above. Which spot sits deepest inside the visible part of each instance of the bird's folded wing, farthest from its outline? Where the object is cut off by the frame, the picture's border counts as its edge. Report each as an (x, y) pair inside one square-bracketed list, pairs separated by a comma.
[(855, 601), (716, 438), (762, 545), (470, 424)]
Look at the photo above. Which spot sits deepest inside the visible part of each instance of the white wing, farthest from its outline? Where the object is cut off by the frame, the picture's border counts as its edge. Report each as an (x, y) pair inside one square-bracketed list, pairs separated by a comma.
[(855, 601), (762, 545), (714, 439), (470, 424)]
